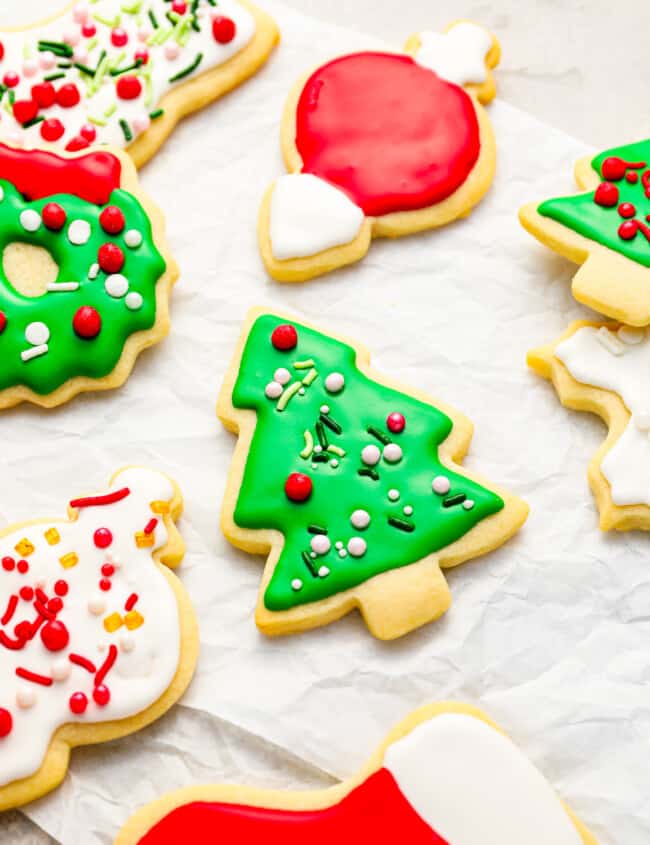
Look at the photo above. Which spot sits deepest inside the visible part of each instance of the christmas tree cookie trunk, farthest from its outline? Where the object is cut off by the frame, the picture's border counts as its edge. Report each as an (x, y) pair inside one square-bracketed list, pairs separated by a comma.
[(349, 483), (381, 145), (124, 73), (604, 368), (445, 776), (606, 230), (97, 636)]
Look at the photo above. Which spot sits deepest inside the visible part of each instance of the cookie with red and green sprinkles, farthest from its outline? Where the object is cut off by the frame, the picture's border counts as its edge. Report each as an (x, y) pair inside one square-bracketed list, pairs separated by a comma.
[(123, 72), (85, 278)]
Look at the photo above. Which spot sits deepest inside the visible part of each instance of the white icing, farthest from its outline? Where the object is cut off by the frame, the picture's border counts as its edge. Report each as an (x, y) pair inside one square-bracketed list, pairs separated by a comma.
[(457, 55), (136, 680), (308, 215), (160, 69), (473, 786), (627, 464)]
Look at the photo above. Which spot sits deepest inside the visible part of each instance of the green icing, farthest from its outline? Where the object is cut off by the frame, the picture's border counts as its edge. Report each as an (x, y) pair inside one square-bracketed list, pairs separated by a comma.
[(69, 355), (339, 490), (598, 223)]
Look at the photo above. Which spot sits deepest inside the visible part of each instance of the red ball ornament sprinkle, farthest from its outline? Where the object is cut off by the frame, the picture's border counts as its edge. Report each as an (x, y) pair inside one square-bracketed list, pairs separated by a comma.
[(626, 209), (44, 95), (632, 177), (119, 37), (110, 258), (223, 29), (88, 132), (25, 110), (103, 538), (55, 605), (101, 695), (77, 143), (108, 569), (88, 30), (627, 230), (606, 195), (112, 220), (105, 585), (8, 564), (298, 487), (11, 79), (396, 422), (179, 6), (61, 588), (614, 168), (52, 129), (23, 567), (55, 636), (128, 87), (26, 593), (78, 703), (284, 337), (87, 322), (54, 216), (6, 722), (3, 321), (68, 96)]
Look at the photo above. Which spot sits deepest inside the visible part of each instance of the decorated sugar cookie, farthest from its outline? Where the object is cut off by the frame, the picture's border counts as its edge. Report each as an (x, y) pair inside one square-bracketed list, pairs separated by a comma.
[(444, 776), (97, 636), (604, 368), (349, 483), (124, 72), (381, 145), (606, 230), (85, 275)]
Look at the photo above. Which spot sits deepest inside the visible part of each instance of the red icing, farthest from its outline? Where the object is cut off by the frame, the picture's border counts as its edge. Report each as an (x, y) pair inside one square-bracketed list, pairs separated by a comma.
[(25, 110), (52, 129), (44, 94), (390, 133), (22, 566), (376, 812), (38, 174), (614, 168), (298, 487), (129, 87), (606, 195), (68, 96), (101, 695), (100, 501), (103, 538), (626, 209), (61, 588)]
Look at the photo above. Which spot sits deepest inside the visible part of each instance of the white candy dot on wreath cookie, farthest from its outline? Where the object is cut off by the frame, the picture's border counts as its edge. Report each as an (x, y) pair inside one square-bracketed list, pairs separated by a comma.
[(37, 334), (133, 301), (335, 382), (370, 455), (30, 220), (360, 519), (79, 232), (392, 453), (116, 285), (273, 390), (321, 544), (440, 485), (282, 375), (296, 584), (133, 238), (357, 546)]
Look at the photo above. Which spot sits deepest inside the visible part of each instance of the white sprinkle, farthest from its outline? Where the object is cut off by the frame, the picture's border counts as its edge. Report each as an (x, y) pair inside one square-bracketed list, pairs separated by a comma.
[(127, 643), (79, 232), (53, 287), (370, 455), (631, 335), (296, 584), (133, 301), (335, 382), (392, 453), (468, 504), (25, 698), (282, 375), (116, 285), (318, 448), (360, 519), (301, 392), (642, 421), (357, 546), (408, 510), (94, 271), (342, 553), (321, 544), (102, 646), (338, 544), (334, 463), (393, 495), (324, 409), (132, 238), (34, 352), (60, 670), (609, 341), (96, 605), (273, 390), (440, 485), (37, 333), (30, 220), (323, 572), (312, 554)]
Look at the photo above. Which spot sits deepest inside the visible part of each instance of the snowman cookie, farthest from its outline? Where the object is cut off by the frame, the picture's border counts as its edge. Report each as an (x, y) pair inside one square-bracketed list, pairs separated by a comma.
[(381, 145), (124, 73), (444, 776), (85, 275), (604, 368), (97, 636)]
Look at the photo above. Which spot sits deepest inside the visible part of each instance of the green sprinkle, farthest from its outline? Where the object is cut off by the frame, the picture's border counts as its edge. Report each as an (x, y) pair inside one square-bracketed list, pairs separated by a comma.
[(402, 524), (336, 450), (309, 445), (83, 69), (309, 378), (53, 76), (33, 121), (319, 458), (92, 44), (370, 473), (458, 499), (188, 70), (153, 19), (96, 120), (56, 47), (309, 563), (110, 111), (303, 365), (378, 434), (212, 2), (126, 129), (290, 391), (156, 114), (111, 24), (331, 424), (133, 9), (120, 71), (320, 433), (316, 529)]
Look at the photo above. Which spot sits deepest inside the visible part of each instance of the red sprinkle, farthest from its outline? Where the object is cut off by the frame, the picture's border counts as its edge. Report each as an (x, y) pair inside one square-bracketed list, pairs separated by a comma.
[(105, 585), (129, 87), (22, 566), (632, 177), (6, 720), (86, 664), (223, 29), (110, 258), (52, 129), (9, 612), (3, 321), (78, 703), (298, 487), (44, 94), (55, 605), (150, 527), (101, 695), (102, 538), (25, 110), (55, 636), (626, 209), (54, 216), (106, 666), (131, 602), (87, 322), (26, 593), (627, 230), (88, 132), (61, 588), (34, 677), (179, 6), (14, 645), (99, 501), (11, 79), (614, 168), (119, 37), (68, 96), (2, 51), (142, 56), (396, 422), (88, 29), (107, 570), (284, 337), (8, 564), (112, 220), (606, 195), (77, 143)]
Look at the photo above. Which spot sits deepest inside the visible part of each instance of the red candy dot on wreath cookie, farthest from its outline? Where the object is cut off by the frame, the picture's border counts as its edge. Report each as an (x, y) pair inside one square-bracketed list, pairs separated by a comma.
[(112, 220), (223, 29), (52, 129), (78, 703), (68, 96), (103, 538), (627, 230), (632, 177), (606, 195), (614, 168), (55, 635), (396, 422), (11, 79), (298, 487), (626, 209), (87, 323), (54, 216), (44, 94), (25, 110), (110, 258), (6, 722), (119, 37), (284, 337), (101, 695), (3, 321), (129, 87)]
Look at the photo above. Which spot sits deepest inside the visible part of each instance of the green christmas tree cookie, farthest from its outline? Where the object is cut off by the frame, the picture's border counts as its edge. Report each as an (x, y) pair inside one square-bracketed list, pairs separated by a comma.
[(349, 484), (606, 230)]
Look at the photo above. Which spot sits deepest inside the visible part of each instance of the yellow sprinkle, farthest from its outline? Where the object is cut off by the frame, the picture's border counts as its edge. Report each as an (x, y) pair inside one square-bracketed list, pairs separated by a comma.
[(133, 620), (309, 445), (52, 536), (159, 507), (24, 547), (144, 541), (290, 391), (69, 560), (113, 622), (311, 375), (304, 365), (336, 450)]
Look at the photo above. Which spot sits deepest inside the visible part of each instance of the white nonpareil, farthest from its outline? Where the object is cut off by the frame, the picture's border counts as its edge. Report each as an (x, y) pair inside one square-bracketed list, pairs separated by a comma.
[(473, 786), (457, 55), (621, 363), (308, 215)]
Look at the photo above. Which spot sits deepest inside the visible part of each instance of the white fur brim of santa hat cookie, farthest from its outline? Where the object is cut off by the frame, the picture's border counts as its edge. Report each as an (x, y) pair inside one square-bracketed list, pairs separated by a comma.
[(457, 55)]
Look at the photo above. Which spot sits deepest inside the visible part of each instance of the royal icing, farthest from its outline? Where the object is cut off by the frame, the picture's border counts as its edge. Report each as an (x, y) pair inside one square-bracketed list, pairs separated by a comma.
[(89, 625), (616, 214), (452, 781), (97, 73), (619, 362), (105, 287), (333, 435), (457, 55)]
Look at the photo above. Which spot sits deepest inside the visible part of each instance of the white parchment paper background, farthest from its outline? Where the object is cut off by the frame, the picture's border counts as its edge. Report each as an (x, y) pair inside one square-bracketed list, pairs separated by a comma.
[(550, 635)]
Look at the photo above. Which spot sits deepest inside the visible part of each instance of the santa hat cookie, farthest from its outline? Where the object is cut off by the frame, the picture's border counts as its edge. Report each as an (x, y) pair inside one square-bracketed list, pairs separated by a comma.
[(381, 144), (445, 776), (97, 636), (124, 73)]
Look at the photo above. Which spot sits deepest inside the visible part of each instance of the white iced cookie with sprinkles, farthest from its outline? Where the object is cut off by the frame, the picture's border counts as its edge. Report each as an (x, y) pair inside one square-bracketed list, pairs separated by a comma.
[(124, 72), (97, 636)]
